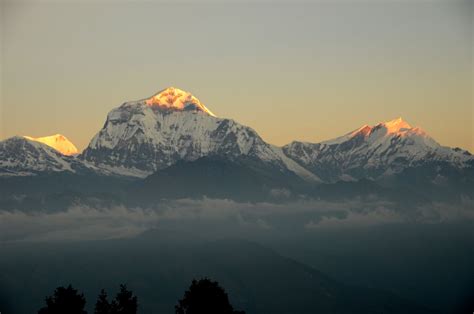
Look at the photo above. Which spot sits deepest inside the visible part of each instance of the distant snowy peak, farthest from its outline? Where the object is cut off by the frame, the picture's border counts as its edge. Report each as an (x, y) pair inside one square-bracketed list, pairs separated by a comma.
[(173, 98), (400, 128), (373, 152), (58, 142), (21, 156), (385, 134)]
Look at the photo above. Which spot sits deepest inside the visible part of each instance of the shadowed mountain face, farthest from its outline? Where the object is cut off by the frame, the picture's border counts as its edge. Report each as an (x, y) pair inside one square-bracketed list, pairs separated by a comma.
[(258, 280), (240, 179), (220, 177)]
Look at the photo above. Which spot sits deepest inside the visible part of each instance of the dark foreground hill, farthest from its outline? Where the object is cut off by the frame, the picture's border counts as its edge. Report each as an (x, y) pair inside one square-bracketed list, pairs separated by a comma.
[(158, 270), (217, 177), (258, 279)]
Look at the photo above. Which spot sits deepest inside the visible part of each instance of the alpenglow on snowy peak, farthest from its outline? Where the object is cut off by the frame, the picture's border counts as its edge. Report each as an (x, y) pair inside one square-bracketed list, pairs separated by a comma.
[(371, 152), (173, 98), (141, 137), (58, 142), (396, 125), (392, 128)]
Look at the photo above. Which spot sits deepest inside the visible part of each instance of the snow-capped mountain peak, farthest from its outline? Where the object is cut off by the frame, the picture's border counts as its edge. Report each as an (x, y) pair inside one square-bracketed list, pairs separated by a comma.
[(22, 156), (374, 151), (399, 130), (173, 98), (58, 142), (142, 137), (383, 132)]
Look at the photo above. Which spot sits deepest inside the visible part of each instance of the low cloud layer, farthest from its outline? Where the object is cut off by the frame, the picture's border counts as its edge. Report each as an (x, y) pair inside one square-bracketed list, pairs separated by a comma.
[(353, 219), (87, 223)]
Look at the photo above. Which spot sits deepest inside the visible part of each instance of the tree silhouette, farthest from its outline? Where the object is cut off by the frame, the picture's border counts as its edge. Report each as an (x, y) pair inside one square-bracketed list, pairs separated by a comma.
[(102, 306), (64, 300), (124, 303), (205, 297)]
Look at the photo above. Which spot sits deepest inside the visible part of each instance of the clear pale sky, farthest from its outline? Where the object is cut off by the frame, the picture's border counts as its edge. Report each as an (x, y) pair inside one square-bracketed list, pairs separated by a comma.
[(292, 71)]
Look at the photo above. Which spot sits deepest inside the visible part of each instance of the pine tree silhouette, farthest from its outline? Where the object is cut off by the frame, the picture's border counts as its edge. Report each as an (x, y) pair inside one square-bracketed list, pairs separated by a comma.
[(124, 303), (205, 297), (64, 300), (102, 306)]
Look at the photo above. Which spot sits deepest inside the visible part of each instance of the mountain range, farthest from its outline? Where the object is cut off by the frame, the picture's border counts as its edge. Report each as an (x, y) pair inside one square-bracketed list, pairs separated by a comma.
[(141, 139)]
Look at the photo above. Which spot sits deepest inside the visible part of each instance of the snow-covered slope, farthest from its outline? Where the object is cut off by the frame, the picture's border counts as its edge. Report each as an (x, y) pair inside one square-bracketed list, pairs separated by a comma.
[(141, 137), (373, 152), (21, 156), (58, 142)]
